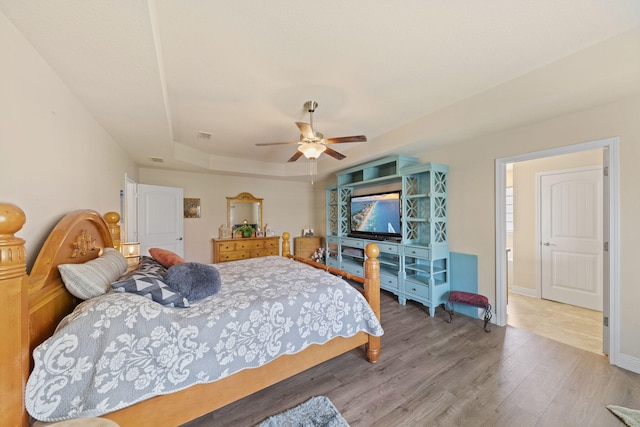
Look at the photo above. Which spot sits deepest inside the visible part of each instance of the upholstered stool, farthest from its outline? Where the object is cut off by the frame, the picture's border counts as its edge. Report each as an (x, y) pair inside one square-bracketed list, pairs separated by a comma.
[(469, 298)]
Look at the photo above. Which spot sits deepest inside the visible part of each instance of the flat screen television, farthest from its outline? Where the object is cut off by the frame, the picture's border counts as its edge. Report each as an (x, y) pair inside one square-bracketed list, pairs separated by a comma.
[(376, 216)]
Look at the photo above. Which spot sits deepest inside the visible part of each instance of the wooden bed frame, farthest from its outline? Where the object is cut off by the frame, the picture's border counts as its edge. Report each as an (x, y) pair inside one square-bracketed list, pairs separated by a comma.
[(37, 302)]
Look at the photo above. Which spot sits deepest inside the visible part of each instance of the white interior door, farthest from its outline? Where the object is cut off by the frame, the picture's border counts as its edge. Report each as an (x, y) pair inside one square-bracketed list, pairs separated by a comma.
[(571, 237), (160, 218)]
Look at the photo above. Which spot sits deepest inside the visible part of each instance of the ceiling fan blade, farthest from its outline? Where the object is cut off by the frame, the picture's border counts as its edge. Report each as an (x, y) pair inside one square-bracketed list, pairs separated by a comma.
[(295, 157), (264, 144), (306, 130), (355, 138), (334, 153)]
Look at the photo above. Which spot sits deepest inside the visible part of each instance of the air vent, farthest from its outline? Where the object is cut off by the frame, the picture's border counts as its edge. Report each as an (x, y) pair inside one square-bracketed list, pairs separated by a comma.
[(204, 135), (157, 159)]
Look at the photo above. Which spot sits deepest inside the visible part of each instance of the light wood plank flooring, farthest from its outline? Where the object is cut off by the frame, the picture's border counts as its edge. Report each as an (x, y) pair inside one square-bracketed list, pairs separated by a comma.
[(432, 373), (576, 326)]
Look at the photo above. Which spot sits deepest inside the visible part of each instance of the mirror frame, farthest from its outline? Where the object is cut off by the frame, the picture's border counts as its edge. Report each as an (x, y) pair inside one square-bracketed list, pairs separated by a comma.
[(243, 198)]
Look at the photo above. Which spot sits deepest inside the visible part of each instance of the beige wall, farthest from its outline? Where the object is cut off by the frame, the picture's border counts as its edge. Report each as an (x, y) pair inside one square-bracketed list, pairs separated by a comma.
[(55, 157), (471, 192), (287, 206), (525, 241)]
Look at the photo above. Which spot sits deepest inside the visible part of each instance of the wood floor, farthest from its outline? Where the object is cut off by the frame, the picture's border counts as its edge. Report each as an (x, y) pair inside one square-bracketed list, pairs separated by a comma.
[(439, 374), (566, 323)]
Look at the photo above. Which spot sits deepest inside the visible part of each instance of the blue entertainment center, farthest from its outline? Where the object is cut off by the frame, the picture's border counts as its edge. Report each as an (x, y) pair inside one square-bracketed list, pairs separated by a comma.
[(414, 257)]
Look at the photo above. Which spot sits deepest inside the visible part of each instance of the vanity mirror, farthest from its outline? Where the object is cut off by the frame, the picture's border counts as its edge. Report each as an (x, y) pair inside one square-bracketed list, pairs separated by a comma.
[(244, 209)]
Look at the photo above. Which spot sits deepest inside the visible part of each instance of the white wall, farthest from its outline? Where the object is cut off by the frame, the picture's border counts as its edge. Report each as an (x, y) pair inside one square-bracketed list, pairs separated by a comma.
[(287, 205), (55, 156)]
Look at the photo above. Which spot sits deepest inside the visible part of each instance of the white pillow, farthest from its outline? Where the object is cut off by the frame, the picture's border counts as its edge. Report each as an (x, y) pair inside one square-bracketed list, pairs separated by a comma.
[(94, 277)]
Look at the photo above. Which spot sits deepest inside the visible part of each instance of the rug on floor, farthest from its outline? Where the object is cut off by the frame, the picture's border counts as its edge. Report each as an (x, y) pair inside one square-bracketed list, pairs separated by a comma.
[(315, 412), (630, 417)]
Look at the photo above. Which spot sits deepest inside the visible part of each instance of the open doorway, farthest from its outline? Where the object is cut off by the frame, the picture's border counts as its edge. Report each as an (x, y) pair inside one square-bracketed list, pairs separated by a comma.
[(554, 247), (610, 315)]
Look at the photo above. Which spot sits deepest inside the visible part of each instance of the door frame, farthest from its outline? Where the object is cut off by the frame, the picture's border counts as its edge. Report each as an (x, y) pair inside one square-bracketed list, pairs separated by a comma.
[(611, 232)]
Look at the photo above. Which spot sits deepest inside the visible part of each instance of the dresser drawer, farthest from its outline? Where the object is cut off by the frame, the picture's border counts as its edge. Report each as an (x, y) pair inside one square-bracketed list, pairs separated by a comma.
[(417, 289), (233, 256), (387, 248), (256, 253), (388, 281), (225, 247), (272, 243), (416, 251), (249, 244), (354, 243)]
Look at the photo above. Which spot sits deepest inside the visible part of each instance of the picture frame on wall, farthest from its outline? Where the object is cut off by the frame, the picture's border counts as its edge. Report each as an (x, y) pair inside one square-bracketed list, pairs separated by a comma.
[(192, 207), (307, 232)]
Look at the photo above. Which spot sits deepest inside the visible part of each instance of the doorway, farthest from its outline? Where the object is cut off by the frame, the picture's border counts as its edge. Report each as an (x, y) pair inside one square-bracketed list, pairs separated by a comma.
[(610, 154), (554, 231)]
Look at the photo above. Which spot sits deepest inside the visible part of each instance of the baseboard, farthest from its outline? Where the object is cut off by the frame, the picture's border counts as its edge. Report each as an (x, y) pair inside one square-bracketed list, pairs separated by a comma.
[(524, 291), (629, 363)]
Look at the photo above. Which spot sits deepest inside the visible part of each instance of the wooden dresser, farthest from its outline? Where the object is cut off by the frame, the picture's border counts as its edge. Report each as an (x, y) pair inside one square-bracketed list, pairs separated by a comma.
[(242, 248), (305, 246)]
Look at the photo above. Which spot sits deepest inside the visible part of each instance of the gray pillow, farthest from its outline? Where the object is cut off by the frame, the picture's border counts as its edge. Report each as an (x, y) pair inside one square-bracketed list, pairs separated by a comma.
[(193, 280), (94, 277)]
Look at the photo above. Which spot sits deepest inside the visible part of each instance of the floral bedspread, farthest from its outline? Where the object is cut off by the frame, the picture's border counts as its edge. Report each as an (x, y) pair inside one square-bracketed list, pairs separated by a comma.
[(119, 349)]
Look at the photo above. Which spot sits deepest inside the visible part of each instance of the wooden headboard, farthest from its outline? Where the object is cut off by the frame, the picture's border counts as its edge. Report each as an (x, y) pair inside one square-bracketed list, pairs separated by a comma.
[(36, 303)]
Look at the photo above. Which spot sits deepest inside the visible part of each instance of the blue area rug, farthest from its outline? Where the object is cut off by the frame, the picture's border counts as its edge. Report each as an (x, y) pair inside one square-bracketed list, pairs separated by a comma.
[(315, 412)]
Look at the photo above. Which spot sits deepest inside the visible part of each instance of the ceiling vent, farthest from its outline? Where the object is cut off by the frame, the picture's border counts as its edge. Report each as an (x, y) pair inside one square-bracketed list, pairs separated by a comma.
[(157, 159)]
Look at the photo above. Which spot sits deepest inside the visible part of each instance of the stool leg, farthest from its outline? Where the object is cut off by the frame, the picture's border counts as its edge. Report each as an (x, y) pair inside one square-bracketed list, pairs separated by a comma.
[(448, 306), (487, 318)]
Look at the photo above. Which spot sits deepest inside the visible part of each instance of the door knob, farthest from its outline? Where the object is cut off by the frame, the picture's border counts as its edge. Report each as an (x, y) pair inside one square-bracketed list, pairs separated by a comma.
[(179, 238), (549, 244)]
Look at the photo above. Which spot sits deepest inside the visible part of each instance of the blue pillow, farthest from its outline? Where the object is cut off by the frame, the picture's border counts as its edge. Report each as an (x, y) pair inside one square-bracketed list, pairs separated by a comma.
[(193, 280)]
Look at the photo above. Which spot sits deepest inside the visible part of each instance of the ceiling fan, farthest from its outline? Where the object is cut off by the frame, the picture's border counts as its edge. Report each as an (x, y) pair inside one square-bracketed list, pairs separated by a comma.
[(313, 143)]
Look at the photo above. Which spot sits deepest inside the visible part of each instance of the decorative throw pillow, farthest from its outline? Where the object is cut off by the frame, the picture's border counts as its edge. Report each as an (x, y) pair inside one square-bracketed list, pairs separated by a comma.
[(165, 257), (93, 278), (150, 285), (150, 265), (193, 280)]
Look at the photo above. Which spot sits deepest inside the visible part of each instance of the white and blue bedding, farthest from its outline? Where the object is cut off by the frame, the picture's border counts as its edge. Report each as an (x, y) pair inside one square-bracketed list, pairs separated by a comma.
[(120, 348)]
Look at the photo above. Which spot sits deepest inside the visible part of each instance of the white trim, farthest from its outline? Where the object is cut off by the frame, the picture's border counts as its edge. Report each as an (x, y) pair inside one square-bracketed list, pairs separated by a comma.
[(628, 362), (612, 145), (528, 292)]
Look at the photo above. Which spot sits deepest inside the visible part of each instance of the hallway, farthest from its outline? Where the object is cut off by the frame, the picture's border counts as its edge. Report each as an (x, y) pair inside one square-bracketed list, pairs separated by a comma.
[(576, 326)]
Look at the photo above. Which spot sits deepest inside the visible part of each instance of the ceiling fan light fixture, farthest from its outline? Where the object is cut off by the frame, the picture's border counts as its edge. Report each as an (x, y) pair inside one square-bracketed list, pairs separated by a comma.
[(312, 150)]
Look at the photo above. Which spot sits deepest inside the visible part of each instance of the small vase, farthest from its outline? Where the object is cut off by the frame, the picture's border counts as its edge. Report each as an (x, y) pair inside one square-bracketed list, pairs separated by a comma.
[(247, 234)]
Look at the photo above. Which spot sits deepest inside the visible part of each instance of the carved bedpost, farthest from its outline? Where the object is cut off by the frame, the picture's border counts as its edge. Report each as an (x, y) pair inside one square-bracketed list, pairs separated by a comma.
[(14, 346), (112, 219), (286, 244), (372, 293)]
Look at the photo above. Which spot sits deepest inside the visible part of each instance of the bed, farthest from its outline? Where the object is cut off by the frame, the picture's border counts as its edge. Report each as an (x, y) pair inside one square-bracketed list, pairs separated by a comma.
[(39, 301)]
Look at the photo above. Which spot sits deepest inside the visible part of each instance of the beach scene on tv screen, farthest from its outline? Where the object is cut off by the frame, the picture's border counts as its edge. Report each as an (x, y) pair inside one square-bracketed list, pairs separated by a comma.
[(377, 213)]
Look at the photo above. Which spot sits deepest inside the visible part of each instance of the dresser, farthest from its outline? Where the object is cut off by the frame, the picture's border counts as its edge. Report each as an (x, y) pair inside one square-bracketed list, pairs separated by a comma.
[(305, 246), (242, 248)]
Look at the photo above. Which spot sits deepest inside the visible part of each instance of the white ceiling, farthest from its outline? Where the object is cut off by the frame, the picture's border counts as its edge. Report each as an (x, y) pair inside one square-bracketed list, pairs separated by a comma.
[(156, 73)]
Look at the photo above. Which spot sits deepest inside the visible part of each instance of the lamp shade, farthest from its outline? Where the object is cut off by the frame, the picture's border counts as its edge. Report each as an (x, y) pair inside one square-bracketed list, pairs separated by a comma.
[(130, 249), (312, 150)]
